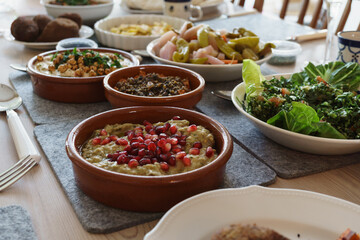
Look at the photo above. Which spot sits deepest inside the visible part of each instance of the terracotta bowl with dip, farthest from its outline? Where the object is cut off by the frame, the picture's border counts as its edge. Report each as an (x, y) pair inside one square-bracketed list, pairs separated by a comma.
[(72, 89), (146, 193), (186, 100)]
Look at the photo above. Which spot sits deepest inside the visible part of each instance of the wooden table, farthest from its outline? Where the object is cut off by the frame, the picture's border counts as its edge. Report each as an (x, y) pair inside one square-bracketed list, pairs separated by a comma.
[(40, 193)]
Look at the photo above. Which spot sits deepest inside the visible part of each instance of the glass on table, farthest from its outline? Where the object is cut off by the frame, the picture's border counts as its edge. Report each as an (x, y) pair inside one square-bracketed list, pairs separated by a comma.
[(333, 8)]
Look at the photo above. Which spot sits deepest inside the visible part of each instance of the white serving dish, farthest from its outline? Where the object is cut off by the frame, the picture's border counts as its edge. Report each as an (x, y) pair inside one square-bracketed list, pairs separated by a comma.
[(296, 214), (89, 13), (297, 141), (107, 38), (84, 32), (211, 73)]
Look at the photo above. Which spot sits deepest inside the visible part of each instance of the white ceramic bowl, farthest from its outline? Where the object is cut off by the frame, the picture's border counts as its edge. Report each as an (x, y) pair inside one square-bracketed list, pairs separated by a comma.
[(211, 73), (296, 214), (89, 13), (107, 38), (297, 141)]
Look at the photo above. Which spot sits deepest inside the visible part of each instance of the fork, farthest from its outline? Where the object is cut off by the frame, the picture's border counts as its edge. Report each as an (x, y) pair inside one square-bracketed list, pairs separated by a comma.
[(19, 169)]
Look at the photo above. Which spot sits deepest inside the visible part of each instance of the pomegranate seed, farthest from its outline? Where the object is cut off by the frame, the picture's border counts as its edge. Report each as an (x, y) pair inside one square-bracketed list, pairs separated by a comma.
[(161, 142), (121, 141), (105, 141), (113, 138), (96, 141), (133, 163), (194, 151), (192, 128), (139, 134), (131, 135), (152, 146), (186, 161), (138, 129), (172, 161), (173, 141), (148, 128), (127, 148), (167, 126), (138, 158), (145, 161), (103, 132), (167, 147), (209, 152), (164, 166), (154, 137), (146, 122), (152, 131), (140, 139), (182, 142), (121, 159), (135, 144), (176, 150), (109, 155), (163, 135), (150, 153), (173, 129), (154, 160), (197, 145), (176, 118), (141, 152), (142, 145), (163, 157), (147, 136), (180, 155), (160, 129), (115, 156), (134, 151), (158, 151)]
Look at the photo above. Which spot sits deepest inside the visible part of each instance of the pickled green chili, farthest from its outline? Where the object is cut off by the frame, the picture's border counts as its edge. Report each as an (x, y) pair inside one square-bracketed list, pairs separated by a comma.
[(198, 60), (183, 53), (203, 37), (227, 49)]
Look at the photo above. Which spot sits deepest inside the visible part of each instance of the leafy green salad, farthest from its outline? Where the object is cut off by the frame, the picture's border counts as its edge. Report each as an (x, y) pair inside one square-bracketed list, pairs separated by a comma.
[(321, 101)]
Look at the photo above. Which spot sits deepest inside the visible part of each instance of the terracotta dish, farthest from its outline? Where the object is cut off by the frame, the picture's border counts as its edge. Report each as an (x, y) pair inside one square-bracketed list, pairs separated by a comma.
[(186, 100), (71, 89), (146, 193)]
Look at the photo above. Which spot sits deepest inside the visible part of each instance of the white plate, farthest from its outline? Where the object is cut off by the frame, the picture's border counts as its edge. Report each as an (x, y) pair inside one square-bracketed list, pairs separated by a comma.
[(84, 32), (297, 141), (211, 73), (290, 212)]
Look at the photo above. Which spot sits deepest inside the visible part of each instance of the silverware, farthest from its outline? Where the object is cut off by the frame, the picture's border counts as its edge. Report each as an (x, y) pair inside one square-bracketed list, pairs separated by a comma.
[(140, 52), (309, 36), (26, 150), (19, 67), (224, 94)]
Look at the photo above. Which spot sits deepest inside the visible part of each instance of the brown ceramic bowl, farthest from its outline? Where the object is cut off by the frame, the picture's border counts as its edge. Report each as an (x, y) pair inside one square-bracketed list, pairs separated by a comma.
[(146, 193), (71, 89), (186, 100)]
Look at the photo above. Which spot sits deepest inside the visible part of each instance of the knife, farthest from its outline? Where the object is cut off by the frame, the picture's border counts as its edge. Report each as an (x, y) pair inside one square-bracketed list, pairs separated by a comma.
[(309, 36)]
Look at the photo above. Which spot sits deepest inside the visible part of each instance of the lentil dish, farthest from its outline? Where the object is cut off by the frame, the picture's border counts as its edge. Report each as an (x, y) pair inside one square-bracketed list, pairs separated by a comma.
[(162, 148), (76, 63), (153, 85)]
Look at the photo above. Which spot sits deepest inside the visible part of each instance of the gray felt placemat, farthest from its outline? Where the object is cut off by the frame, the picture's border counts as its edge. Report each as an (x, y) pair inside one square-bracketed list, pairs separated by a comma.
[(287, 163), (15, 223), (242, 170)]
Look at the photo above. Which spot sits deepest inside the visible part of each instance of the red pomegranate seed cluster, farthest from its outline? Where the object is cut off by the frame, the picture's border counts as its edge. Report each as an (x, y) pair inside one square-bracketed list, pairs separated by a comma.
[(163, 144)]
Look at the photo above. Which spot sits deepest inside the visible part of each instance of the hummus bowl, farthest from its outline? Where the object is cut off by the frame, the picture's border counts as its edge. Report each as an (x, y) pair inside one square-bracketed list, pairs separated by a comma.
[(185, 100), (146, 193), (58, 88)]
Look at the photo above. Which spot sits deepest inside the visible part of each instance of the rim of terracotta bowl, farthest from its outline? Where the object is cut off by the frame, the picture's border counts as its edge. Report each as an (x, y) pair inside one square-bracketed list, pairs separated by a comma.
[(75, 80), (164, 99), (223, 154)]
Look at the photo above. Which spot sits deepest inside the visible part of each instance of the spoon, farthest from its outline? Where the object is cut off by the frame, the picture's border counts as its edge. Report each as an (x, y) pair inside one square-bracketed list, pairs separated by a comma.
[(140, 52), (224, 94), (19, 67), (9, 100)]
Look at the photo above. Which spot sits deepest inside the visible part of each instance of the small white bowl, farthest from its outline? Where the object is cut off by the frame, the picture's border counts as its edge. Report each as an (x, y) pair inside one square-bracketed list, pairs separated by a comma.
[(285, 52), (211, 73), (107, 38), (89, 13), (297, 141)]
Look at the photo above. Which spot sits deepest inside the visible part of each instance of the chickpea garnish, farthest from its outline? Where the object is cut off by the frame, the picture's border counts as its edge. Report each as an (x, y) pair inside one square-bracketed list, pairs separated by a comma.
[(92, 73), (79, 72), (107, 71), (62, 68), (94, 68), (74, 67), (72, 61), (51, 68), (39, 58), (100, 71)]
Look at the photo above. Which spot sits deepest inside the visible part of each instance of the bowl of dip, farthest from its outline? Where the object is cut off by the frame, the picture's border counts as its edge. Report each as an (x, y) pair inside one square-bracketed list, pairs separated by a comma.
[(154, 85), (148, 158), (63, 76)]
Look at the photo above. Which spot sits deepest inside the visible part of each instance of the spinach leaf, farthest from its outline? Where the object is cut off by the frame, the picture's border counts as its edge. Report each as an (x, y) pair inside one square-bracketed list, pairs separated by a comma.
[(338, 74), (303, 119)]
